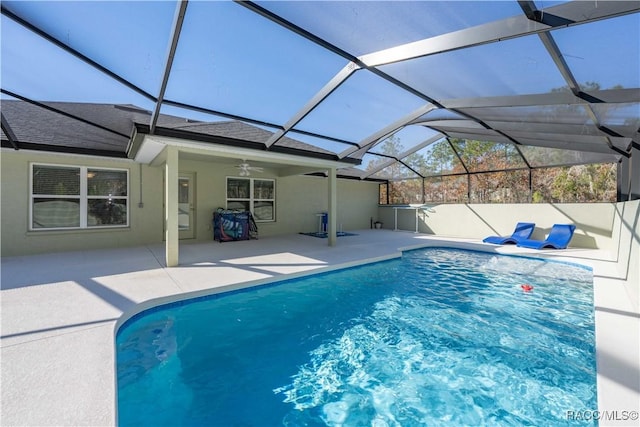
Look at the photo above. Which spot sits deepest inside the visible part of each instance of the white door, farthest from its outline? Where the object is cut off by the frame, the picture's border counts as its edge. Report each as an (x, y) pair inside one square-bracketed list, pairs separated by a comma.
[(186, 211)]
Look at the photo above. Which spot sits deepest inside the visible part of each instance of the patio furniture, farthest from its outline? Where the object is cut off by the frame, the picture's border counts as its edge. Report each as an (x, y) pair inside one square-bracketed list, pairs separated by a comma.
[(522, 231), (558, 238)]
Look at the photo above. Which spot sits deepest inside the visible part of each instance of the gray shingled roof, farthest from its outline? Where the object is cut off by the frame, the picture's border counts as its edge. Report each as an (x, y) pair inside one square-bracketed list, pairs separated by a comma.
[(111, 126), (243, 131), (34, 125)]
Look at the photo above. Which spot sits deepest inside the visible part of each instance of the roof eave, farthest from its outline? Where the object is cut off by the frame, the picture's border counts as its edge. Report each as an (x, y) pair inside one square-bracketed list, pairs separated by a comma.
[(228, 147)]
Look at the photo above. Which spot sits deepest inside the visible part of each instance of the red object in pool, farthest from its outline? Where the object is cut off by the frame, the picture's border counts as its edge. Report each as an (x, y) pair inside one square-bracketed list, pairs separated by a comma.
[(526, 287)]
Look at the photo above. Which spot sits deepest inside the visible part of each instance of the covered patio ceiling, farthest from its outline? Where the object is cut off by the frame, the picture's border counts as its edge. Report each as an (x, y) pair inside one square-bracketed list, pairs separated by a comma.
[(332, 80)]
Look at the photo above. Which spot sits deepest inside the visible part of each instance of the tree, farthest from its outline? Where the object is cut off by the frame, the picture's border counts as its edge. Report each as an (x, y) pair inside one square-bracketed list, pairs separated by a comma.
[(498, 174), (391, 147), (584, 183)]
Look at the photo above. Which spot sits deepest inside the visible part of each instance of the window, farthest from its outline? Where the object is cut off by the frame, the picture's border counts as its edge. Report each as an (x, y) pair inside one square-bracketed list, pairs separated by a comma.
[(253, 194), (78, 197)]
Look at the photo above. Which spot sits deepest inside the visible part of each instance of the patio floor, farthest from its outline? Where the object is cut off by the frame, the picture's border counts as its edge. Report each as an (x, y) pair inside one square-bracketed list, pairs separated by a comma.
[(60, 311)]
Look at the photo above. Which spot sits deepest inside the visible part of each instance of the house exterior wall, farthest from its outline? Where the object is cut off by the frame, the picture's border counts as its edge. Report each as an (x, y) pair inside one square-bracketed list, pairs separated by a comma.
[(298, 199), (145, 224), (594, 221)]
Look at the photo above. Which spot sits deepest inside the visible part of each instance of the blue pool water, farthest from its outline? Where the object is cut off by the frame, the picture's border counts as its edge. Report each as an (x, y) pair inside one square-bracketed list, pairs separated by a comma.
[(437, 337)]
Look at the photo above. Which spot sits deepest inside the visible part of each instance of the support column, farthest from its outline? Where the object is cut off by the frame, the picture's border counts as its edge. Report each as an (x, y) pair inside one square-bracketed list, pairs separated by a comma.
[(634, 193), (171, 206), (629, 176), (333, 211)]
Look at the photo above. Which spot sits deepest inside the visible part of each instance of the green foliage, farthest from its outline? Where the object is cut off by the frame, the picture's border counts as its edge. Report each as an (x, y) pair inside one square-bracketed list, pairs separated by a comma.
[(392, 147), (441, 160), (506, 179), (396, 171), (582, 183)]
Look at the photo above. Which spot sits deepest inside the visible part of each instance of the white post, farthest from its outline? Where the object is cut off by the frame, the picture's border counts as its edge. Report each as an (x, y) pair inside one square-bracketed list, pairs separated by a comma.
[(171, 206), (333, 201), (395, 219)]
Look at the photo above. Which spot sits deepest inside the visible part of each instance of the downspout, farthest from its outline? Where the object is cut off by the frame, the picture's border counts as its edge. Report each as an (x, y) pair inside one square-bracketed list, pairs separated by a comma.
[(140, 204)]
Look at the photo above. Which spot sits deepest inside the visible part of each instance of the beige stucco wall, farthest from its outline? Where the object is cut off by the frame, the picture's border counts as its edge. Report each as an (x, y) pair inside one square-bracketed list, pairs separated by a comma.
[(298, 199), (626, 248), (15, 237), (594, 221)]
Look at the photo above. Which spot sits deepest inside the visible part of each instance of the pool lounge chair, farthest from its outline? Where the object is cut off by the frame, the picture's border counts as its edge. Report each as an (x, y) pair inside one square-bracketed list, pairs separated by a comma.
[(523, 231), (558, 238)]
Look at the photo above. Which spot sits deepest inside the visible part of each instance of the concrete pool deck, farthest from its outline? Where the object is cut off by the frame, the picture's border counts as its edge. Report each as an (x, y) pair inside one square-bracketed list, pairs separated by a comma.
[(60, 312)]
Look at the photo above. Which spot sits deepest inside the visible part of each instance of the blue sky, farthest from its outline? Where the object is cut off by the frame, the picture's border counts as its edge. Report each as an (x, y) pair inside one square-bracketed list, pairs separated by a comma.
[(230, 59)]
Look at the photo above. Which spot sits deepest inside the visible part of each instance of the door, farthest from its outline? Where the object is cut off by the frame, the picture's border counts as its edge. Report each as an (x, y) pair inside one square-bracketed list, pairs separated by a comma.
[(186, 211)]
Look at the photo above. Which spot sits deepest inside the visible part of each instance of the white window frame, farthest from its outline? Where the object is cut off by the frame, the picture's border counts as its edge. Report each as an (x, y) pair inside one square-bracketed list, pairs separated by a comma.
[(83, 197), (251, 199)]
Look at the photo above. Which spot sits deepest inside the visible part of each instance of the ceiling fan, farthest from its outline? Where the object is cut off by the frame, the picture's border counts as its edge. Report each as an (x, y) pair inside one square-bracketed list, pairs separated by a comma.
[(245, 168)]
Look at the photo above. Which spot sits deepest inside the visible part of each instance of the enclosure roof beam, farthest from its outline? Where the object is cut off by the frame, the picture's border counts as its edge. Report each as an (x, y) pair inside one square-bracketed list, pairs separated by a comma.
[(332, 85), (369, 142), (453, 148), (13, 140), (181, 9), (610, 96), (219, 113), (74, 52), (554, 51), (570, 13), (63, 113), (404, 154)]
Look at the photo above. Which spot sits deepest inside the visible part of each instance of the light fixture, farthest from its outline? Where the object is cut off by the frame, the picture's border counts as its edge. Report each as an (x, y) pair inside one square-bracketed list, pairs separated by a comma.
[(246, 168)]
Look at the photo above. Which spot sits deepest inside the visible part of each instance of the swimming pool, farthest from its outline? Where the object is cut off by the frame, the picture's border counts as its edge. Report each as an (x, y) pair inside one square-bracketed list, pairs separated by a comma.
[(437, 337)]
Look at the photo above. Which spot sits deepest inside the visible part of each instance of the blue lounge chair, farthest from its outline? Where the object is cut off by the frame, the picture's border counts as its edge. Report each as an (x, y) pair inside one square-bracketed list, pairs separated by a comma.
[(523, 231), (558, 238)]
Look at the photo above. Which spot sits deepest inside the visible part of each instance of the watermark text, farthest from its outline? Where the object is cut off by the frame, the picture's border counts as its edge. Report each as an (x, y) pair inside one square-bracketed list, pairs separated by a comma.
[(602, 415)]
